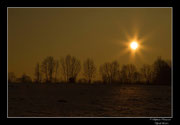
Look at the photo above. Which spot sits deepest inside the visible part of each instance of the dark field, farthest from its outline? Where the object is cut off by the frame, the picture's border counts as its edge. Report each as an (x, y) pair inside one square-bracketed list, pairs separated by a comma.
[(82, 100)]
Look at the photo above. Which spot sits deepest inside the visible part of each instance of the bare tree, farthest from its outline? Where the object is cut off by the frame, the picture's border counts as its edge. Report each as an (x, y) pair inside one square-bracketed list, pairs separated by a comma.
[(48, 68), (105, 72), (124, 74), (11, 77), (56, 69), (136, 77), (44, 69), (147, 73), (89, 69), (38, 75), (114, 70), (109, 72), (25, 79), (70, 68), (162, 71), (128, 73)]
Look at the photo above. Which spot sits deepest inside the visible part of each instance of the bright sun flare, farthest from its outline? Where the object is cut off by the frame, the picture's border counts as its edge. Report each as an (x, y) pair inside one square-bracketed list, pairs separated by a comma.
[(134, 45)]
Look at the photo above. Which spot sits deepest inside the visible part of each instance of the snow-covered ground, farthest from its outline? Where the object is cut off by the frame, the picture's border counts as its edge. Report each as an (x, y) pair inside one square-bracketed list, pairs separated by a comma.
[(82, 100)]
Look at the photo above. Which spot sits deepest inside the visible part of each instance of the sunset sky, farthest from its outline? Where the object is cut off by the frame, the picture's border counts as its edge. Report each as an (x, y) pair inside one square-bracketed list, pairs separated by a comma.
[(102, 34)]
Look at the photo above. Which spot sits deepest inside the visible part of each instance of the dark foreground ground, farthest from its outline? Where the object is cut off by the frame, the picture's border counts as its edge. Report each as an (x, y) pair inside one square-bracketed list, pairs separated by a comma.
[(78, 100)]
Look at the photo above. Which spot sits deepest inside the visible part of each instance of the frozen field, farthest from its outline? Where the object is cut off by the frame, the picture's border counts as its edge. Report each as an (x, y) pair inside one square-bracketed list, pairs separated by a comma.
[(78, 100)]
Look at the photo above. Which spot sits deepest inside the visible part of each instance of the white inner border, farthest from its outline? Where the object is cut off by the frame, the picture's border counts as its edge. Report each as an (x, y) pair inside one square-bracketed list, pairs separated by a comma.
[(100, 8)]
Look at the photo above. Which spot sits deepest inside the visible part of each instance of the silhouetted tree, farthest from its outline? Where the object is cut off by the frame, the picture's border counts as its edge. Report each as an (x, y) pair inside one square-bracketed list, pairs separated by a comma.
[(56, 69), (89, 69), (162, 71), (48, 68), (128, 73), (11, 77), (70, 67), (25, 79), (109, 72), (136, 77), (147, 73), (105, 72), (37, 74), (124, 74), (114, 71)]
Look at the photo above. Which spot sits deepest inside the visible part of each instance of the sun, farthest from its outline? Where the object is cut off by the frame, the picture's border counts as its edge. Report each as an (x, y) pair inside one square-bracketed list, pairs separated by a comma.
[(134, 45)]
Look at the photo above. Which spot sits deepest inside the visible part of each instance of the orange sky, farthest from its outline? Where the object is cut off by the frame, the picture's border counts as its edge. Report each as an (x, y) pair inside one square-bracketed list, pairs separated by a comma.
[(97, 33)]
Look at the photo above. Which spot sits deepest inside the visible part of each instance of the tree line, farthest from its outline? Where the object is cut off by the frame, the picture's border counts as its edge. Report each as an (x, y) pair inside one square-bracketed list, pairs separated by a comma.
[(69, 68)]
